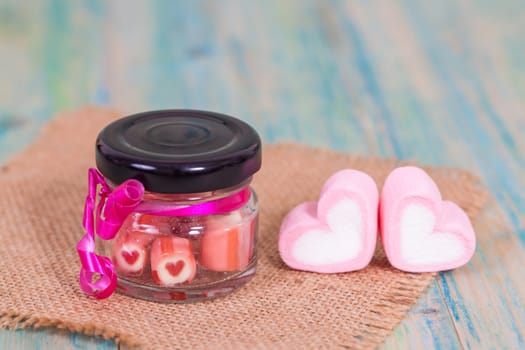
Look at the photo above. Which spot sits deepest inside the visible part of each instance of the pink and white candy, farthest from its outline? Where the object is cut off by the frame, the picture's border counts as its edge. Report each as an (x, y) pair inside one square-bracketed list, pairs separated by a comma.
[(130, 252), (172, 261), (420, 231), (336, 234)]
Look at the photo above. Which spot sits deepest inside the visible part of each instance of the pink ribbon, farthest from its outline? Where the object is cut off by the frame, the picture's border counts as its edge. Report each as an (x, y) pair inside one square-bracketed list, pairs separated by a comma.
[(97, 274)]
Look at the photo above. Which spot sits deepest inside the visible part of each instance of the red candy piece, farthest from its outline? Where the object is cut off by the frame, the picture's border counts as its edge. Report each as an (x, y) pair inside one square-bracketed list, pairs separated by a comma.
[(172, 261), (130, 253), (227, 243), (130, 258), (175, 268), (152, 224)]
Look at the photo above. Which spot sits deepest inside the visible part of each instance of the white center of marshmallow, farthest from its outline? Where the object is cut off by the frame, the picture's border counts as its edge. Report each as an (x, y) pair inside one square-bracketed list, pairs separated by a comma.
[(342, 243), (420, 245)]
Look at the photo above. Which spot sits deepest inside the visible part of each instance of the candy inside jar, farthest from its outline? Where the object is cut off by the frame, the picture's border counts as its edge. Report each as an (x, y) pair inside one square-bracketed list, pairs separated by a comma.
[(172, 202), (184, 257)]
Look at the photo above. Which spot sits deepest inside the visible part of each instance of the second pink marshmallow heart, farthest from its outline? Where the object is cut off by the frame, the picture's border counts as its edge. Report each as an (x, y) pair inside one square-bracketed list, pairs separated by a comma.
[(420, 231)]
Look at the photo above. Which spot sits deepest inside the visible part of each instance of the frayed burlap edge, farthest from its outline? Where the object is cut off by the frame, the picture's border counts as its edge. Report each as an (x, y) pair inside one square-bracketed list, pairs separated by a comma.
[(13, 320)]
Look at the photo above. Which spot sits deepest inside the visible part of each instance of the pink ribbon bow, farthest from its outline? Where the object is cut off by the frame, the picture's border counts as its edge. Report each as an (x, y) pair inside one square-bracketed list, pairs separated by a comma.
[(97, 274)]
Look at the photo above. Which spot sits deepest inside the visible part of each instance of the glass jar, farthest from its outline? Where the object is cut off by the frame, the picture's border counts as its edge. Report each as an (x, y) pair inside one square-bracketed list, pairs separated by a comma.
[(175, 209)]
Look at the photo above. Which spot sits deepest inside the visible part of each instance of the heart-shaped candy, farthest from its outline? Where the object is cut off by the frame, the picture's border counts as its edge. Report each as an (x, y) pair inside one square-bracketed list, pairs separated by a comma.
[(130, 257), (172, 261), (130, 251), (336, 234), (174, 269), (420, 231)]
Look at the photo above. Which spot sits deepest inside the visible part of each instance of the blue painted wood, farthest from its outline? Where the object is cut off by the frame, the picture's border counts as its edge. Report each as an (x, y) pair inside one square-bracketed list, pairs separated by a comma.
[(51, 339), (439, 82)]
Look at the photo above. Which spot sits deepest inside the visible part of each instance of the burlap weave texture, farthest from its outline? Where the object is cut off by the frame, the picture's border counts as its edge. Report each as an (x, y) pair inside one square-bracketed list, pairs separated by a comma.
[(43, 189)]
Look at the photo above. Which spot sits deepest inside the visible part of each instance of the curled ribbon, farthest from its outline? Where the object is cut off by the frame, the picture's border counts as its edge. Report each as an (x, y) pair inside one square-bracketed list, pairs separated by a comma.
[(97, 274)]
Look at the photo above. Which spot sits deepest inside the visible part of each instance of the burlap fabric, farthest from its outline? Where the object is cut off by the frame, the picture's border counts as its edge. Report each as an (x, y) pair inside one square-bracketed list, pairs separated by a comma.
[(43, 189)]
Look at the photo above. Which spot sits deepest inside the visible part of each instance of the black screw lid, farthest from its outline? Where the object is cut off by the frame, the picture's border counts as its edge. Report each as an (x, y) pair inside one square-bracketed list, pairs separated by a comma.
[(179, 150)]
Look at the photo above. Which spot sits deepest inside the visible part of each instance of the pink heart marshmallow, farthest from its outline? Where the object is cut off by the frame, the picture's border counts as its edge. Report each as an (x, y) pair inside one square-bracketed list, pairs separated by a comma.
[(336, 234), (420, 231)]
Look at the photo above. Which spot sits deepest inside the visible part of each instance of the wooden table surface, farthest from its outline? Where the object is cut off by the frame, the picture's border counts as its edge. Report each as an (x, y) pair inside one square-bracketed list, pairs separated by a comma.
[(441, 82)]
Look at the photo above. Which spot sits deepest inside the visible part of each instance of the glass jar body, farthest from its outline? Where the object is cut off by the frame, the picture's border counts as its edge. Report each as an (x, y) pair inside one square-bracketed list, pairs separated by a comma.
[(163, 257)]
